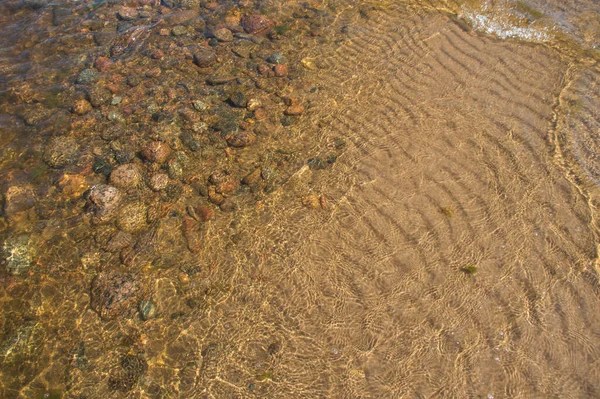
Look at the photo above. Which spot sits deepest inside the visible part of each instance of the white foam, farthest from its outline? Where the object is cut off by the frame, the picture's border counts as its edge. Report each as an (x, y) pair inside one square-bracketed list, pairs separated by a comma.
[(502, 28)]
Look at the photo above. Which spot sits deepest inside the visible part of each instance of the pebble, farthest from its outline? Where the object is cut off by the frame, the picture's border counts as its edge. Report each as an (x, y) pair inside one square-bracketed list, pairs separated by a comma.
[(276, 58), (126, 176), (179, 30), (204, 58), (18, 199), (114, 293), (104, 198), (205, 213), (238, 99), (223, 35), (127, 13), (241, 139), (157, 152), (82, 107), (98, 96), (132, 217), (60, 151), (311, 201), (199, 105), (256, 23), (147, 309), (281, 70), (87, 76), (294, 110), (158, 181), (104, 64), (175, 170), (18, 254)]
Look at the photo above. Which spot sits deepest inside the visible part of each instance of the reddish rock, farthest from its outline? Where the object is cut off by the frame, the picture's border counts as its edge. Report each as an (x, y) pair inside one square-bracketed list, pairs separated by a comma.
[(159, 181), (241, 139), (157, 151), (157, 54), (265, 70), (205, 213), (114, 293), (215, 197), (281, 70), (104, 64), (256, 23), (204, 58), (294, 110), (126, 176), (260, 114)]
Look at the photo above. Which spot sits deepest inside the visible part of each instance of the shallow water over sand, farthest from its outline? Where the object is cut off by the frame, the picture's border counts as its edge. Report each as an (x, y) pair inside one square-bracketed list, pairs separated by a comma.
[(425, 225)]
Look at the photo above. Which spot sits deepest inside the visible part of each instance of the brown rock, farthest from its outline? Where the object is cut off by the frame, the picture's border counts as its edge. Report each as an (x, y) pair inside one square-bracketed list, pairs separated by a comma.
[(157, 151), (127, 13), (204, 58), (114, 293), (311, 201), (132, 217), (260, 114), (104, 198), (215, 197), (159, 181), (294, 110), (252, 178), (18, 199), (82, 107), (256, 23), (241, 139), (223, 35), (73, 186), (265, 70), (205, 213), (281, 70), (104, 64), (126, 176)]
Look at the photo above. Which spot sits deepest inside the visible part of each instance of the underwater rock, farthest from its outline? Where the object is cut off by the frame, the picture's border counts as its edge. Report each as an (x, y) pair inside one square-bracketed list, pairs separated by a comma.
[(114, 293), (104, 199), (60, 151), (156, 151), (18, 199), (126, 176), (256, 23), (147, 309), (17, 254), (132, 217)]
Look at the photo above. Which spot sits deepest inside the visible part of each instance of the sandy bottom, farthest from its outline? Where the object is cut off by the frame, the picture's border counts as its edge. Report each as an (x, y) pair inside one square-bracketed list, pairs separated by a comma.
[(456, 254)]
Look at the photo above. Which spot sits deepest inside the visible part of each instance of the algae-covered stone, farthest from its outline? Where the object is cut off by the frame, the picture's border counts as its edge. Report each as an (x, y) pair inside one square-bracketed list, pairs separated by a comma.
[(60, 151)]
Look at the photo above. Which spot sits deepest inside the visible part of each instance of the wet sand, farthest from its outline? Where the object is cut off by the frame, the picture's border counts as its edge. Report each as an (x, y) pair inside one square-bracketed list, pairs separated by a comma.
[(449, 251)]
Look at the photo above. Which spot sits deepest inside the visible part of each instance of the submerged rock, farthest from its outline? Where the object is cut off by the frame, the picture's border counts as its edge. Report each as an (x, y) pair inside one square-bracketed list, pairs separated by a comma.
[(126, 176), (18, 199), (104, 199), (256, 23), (114, 293), (60, 151), (17, 254)]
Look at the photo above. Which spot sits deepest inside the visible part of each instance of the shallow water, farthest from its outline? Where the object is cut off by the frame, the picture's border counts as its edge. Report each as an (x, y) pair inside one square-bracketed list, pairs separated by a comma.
[(426, 227)]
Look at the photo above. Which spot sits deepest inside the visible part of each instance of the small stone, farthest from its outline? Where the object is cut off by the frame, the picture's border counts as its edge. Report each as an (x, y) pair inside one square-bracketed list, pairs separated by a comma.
[(223, 35), (147, 309), (157, 151), (18, 254), (116, 100), (241, 139), (104, 64), (199, 105), (127, 13), (253, 104), (281, 70), (276, 58), (256, 23), (72, 186), (252, 178), (179, 30), (132, 217), (175, 170), (159, 181), (294, 110), (104, 198), (87, 76), (205, 213), (238, 99), (98, 96), (260, 114), (153, 72), (18, 199), (113, 293), (115, 116), (126, 176), (311, 201), (265, 70), (229, 205), (60, 151), (82, 107), (204, 58)]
